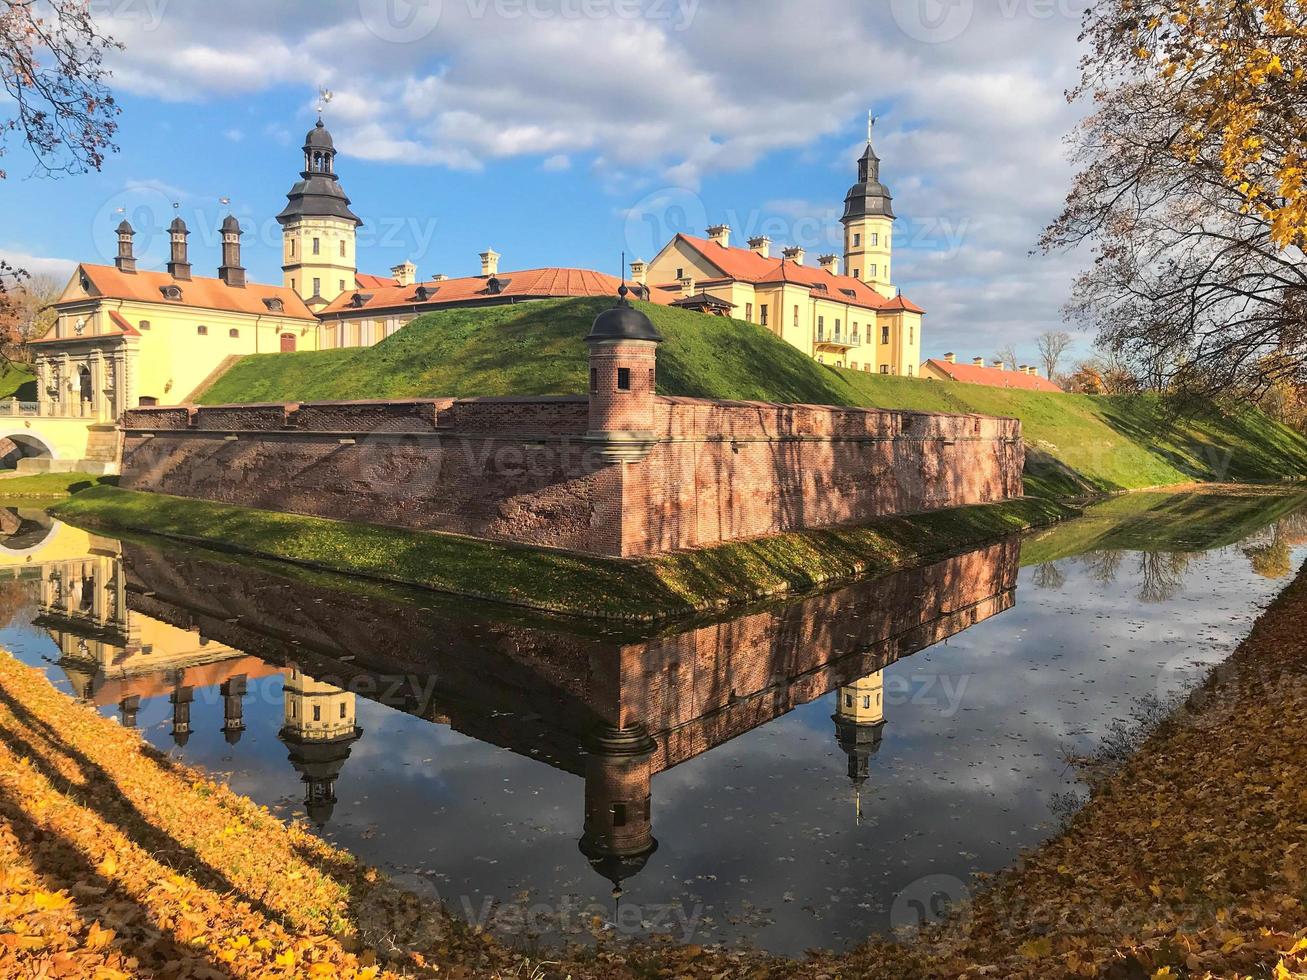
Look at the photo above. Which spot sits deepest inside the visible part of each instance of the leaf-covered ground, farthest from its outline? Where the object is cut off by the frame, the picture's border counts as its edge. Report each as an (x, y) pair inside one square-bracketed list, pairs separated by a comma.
[(1190, 860)]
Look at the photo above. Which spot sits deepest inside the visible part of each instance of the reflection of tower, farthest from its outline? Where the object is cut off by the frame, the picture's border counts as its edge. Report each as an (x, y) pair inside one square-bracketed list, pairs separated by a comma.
[(233, 712), (319, 730), (859, 718), (181, 699), (127, 709), (618, 837)]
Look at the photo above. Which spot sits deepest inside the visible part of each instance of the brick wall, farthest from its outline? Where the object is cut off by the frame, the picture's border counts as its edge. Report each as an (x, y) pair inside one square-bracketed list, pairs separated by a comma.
[(519, 469)]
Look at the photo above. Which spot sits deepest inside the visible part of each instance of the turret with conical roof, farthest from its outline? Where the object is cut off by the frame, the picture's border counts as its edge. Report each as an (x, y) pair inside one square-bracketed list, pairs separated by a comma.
[(623, 346), (318, 227)]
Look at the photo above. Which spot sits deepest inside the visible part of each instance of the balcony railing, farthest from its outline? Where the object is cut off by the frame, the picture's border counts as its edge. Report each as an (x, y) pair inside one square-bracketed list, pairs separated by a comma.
[(841, 340), (12, 406)]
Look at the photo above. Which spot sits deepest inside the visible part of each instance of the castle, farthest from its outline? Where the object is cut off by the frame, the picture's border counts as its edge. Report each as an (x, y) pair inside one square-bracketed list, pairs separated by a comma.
[(125, 336)]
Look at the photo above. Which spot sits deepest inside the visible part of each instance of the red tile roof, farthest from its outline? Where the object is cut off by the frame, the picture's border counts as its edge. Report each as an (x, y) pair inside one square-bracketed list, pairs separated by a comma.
[(993, 377), (747, 265), (200, 291), (523, 284), (367, 281)]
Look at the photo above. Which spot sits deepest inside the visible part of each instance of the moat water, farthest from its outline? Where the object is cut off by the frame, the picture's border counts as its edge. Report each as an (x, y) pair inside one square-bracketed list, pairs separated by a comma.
[(799, 775)]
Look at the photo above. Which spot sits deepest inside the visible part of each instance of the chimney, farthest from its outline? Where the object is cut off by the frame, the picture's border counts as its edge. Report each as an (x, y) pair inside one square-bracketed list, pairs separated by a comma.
[(720, 235), (490, 262), (639, 271), (687, 285), (978, 362), (1032, 371), (126, 260), (439, 277), (795, 254), (1001, 364), (179, 267), (951, 357), (406, 273), (1023, 369), (761, 245), (230, 271), (831, 263)]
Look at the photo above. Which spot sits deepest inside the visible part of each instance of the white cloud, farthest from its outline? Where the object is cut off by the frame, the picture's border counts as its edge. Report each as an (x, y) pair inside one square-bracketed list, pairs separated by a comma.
[(970, 133), (38, 265)]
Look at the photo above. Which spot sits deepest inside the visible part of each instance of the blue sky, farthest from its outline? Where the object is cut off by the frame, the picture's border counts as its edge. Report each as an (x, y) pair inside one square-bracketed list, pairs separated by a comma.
[(562, 132)]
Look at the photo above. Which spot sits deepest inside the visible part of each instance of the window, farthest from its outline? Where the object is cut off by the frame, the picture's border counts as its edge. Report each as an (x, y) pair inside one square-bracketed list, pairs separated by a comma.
[(884, 369), (342, 248), (594, 381), (796, 316), (623, 379), (317, 287), (884, 335), (857, 239), (837, 328), (317, 246), (912, 334), (873, 272), (848, 700), (875, 238), (821, 327), (854, 365), (342, 709), (342, 285), (867, 367), (317, 712), (762, 313), (233, 332), (144, 324), (857, 274), (866, 700), (292, 282), (911, 368), (619, 814), (292, 248), (202, 330), (748, 312)]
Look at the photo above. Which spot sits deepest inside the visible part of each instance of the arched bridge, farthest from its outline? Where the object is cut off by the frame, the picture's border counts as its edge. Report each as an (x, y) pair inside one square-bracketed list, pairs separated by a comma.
[(34, 443)]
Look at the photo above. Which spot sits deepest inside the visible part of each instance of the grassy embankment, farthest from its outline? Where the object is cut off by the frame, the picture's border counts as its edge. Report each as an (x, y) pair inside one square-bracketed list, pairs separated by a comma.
[(47, 486), (17, 381), (669, 585), (1077, 445), (117, 861)]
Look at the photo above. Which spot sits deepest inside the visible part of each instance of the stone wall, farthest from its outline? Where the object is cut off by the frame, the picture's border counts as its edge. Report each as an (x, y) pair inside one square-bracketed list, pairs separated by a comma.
[(522, 469)]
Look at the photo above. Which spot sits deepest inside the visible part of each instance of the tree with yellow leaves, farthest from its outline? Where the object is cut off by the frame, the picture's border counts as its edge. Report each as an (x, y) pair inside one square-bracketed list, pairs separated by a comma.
[(1192, 190)]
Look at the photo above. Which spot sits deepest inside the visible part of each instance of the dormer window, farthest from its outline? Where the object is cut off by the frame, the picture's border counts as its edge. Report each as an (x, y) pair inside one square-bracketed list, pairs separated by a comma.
[(171, 292), (274, 305), (421, 294), (359, 299), (495, 285)]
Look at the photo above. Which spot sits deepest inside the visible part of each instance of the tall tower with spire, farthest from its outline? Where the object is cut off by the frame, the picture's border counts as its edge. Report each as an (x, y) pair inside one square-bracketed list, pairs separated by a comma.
[(869, 223), (859, 720), (318, 227), (319, 729)]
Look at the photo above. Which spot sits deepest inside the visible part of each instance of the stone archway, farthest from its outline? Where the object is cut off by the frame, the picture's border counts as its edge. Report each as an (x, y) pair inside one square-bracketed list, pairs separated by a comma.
[(18, 445)]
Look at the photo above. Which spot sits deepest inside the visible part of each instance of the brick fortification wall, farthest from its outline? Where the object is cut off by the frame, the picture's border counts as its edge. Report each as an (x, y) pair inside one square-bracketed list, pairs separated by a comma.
[(522, 469)]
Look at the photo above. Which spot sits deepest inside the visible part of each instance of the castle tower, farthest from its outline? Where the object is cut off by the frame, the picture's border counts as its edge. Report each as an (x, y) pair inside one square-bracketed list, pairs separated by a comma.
[(179, 265), (618, 837), (623, 360), (859, 720), (868, 225), (318, 228), (181, 699), (319, 729)]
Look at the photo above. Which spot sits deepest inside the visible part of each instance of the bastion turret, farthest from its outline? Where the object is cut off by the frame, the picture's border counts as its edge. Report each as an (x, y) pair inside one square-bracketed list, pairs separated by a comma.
[(623, 346)]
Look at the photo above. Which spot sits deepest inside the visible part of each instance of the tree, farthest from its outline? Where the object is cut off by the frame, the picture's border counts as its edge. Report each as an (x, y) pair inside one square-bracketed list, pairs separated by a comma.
[(1192, 191), (1007, 355), (32, 317), (51, 69), (1052, 345)]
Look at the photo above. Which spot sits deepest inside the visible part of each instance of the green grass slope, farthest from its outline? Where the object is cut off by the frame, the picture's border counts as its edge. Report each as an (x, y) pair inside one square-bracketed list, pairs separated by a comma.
[(1076, 444)]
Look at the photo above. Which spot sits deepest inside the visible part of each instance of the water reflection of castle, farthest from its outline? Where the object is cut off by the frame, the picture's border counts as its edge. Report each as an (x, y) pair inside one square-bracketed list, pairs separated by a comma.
[(135, 623)]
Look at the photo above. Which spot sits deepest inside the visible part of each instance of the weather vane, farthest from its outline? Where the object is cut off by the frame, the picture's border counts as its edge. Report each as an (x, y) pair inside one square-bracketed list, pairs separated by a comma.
[(324, 98)]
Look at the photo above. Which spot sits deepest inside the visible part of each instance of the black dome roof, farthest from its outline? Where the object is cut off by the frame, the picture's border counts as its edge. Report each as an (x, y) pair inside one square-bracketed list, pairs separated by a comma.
[(318, 138), (124, 228), (230, 223), (623, 322), (177, 225)]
